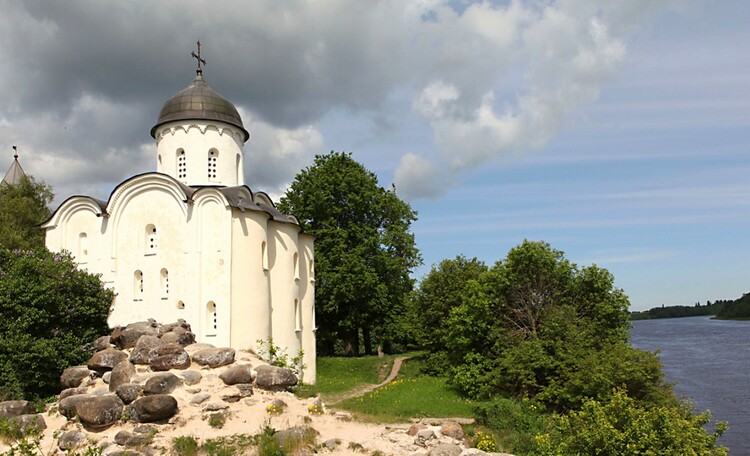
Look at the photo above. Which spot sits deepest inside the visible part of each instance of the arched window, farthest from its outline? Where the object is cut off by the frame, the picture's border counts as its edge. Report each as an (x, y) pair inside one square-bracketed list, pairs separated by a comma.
[(297, 316), (164, 283), (213, 158), (180, 305), (264, 255), (137, 286), (296, 266), (83, 248), (211, 325), (181, 164), (151, 240)]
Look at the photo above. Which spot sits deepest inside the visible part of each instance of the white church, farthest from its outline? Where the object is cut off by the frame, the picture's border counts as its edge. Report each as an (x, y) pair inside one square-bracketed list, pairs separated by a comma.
[(192, 241)]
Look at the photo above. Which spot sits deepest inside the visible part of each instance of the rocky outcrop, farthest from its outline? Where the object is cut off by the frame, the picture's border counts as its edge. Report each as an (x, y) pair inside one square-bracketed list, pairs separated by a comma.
[(162, 383), (153, 408), (239, 373)]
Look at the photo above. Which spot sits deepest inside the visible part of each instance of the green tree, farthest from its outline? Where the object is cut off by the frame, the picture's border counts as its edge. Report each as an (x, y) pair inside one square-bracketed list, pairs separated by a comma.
[(50, 312), (364, 251), (23, 206)]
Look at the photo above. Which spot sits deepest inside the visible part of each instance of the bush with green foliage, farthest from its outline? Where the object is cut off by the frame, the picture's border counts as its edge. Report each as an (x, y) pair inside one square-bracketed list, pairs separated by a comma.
[(50, 312), (624, 427)]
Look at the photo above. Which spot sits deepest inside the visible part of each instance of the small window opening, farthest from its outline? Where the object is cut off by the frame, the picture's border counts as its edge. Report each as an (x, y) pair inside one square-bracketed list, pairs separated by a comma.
[(296, 266), (164, 283), (152, 241), (211, 319), (264, 255), (312, 271), (312, 320), (137, 286), (180, 305), (297, 316), (83, 248), (181, 164)]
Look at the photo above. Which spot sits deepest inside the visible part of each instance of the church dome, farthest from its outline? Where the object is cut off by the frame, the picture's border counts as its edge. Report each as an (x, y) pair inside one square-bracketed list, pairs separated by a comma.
[(199, 101)]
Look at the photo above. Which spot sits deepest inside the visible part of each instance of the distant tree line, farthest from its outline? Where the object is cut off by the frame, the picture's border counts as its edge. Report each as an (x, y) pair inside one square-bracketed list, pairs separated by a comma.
[(739, 309), (679, 311)]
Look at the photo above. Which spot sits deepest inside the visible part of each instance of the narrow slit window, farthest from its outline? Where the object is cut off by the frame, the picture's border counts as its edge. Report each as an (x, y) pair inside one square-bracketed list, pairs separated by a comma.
[(164, 282), (296, 266), (151, 239), (264, 255), (181, 164), (312, 271), (83, 248), (297, 316), (138, 286), (211, 319), (213, 159)]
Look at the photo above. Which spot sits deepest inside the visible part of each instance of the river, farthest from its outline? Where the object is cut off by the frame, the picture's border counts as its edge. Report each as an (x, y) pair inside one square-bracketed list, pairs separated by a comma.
[(709, 360)]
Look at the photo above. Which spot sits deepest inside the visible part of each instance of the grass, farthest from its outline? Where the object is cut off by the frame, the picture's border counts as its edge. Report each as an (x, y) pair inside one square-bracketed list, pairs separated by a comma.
[(410, 395), (336, 375)]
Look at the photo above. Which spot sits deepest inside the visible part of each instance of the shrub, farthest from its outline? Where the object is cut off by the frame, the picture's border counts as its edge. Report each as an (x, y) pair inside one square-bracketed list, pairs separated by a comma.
[(185, 446), (50, 311)]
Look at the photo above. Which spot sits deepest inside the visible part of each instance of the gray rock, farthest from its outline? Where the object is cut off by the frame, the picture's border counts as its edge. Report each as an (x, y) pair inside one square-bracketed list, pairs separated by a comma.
[(122, 373), (71, 440), (445, 449), (29, 421), (15, 408), (214, 357), (423, 436), (200, 398), (73, 376), (236, 392), (128, 392), (102, 343), (107, 375), (105, 360), (274, 378), (183, 337), (67, 405), (128, 336), (192, 348), (239, 373), (214, 406), (170, 356), (153, 408), (99, 412), (128, 439), (452, 429), (191, 377), (100, 392), (162, 383), (146, 349), (180, 327), (69, 392), (293, 435), (331, 444)]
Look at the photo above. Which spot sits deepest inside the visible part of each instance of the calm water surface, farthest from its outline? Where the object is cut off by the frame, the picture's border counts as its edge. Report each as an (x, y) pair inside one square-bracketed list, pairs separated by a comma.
[(709, 360)]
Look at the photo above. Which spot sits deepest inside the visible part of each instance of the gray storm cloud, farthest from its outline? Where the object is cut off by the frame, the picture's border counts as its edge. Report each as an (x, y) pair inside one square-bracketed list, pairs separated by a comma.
[(83, 80)]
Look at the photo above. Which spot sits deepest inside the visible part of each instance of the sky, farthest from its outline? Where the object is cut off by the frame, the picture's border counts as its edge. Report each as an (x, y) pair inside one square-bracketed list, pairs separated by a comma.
[(616, 131)]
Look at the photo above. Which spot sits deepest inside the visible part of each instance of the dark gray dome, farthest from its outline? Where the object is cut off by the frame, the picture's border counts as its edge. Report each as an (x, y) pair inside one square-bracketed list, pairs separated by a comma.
[(199, 101)]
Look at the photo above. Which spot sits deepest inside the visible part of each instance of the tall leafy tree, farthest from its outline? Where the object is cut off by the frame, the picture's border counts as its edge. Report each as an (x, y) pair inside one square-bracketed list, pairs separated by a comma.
[(364, 251), (23, 206)]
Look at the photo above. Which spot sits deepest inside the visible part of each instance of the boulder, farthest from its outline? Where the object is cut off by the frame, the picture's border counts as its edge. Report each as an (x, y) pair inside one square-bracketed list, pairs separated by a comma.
[(128, 392), (69, 392), (200, 398), (162, 383), (105, 360), (128, 439), (424, 436), (73, 376), (99, 412), (295, 435), (28, 421), (153, 408), (452, 429), (107, 375), (128, 336), (122, 373), (192, 348), (236, 392), (102, 343), (240, 373), (274, 378), (414, 428), (170, 356), (445, 449), (180, 327), (214, 406), (214, 357), (15, 408), (70, 440), (191, 377), (146, 349), (67, 405)]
